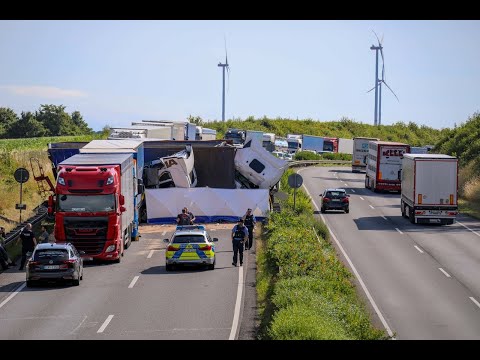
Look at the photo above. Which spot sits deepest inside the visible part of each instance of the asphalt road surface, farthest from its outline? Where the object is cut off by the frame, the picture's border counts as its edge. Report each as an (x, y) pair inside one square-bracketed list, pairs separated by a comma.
[(422, 281), (136, 299)]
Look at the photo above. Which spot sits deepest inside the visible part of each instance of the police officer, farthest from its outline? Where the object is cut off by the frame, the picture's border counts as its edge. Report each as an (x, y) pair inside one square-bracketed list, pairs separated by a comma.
[(239, 235), (28, 243), (189, 213), (249, 221), (183, 218)]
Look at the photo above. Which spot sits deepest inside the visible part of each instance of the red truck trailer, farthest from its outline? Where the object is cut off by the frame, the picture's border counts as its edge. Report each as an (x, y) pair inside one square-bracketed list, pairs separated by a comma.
[(384, 165)]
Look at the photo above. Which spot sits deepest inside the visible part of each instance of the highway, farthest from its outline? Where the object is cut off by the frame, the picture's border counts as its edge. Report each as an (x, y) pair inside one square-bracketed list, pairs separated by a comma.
[(136, 299), (423, 280)]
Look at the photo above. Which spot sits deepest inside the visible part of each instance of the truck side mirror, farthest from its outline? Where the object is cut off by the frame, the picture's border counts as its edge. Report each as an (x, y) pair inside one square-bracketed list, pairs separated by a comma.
[(140, 186), (50, 205), (122, 200), (123, 209)]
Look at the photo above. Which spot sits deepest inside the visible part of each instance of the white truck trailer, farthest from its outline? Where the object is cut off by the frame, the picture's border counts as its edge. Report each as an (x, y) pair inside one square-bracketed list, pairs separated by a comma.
[(360, 153), (429, 188)]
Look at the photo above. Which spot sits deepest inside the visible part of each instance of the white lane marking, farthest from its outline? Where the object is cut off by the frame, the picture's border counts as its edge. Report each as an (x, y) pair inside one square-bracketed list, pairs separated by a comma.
[(105, 324), (361, 198), (444, 272), (150, 254), (79, 325), (384, 217), (132, 284), (416, 247), (346, 184), (399, 230), (163, 233), (10, 297), (465, 226), (475, 301), (364, 287), (335, 174), (236, 314), (371, 206), (352, 190)]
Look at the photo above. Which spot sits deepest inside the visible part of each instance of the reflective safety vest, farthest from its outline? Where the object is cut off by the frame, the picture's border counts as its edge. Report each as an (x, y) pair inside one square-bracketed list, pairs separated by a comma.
[(239, 234), (248, 220)]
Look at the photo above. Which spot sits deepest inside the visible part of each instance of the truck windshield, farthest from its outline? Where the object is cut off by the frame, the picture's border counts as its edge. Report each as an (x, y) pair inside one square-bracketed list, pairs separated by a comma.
[(235, 137), (292, 145), (79, 203)]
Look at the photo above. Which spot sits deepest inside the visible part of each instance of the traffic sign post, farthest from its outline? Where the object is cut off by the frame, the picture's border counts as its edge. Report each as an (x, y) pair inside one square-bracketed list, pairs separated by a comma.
[(295, 181), (21, 175)]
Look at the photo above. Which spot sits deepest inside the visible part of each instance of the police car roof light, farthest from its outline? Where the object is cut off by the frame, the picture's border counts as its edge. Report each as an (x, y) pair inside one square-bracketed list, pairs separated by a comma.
[(190, 227)]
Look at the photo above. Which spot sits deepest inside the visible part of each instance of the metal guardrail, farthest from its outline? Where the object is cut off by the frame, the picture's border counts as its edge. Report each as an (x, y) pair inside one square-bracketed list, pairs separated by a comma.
[(293, 163), (12, 235)]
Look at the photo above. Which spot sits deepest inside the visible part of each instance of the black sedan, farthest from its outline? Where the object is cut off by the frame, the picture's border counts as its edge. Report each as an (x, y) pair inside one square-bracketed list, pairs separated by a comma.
[(55, 262)]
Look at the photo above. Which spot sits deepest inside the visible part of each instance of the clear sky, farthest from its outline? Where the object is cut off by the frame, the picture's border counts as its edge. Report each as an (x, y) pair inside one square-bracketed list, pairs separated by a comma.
[(116, 72)]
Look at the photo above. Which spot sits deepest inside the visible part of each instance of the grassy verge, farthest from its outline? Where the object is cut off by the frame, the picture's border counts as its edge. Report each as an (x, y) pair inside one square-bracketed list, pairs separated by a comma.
[(470, 208), (304, 291)]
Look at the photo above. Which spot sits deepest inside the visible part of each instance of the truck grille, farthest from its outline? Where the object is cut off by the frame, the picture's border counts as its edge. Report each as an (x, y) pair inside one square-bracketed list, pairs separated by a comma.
[(87, 233)]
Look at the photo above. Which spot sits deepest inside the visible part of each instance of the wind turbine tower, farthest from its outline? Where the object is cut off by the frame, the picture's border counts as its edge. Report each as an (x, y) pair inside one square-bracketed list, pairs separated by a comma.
[(224, 66), (378, 83)]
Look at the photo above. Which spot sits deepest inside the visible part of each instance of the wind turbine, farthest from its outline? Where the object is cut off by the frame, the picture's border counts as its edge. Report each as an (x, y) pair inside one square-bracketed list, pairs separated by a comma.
[(378, 82), (223, 66)]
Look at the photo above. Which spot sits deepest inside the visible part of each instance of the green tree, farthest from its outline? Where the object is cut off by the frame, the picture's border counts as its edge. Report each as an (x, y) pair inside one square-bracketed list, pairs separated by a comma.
[(82, 126), (7, 118), (56, 120), (197, 120), (26, 127)]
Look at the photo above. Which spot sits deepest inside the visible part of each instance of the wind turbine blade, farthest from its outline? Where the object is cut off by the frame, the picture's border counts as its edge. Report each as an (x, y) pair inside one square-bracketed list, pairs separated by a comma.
[(370, 89), (391, 90), (383, 71), (228, 78), (226, 55), (379, 43)]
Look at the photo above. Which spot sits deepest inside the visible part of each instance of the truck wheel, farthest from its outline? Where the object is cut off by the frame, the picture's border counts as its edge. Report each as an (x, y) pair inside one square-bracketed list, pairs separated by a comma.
[(402, 207), (366, 183), (411, 215)]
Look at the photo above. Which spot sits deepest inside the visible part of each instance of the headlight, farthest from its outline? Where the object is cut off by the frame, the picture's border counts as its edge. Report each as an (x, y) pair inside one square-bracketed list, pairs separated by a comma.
[(61, 181), (110, 248), (110, 180)]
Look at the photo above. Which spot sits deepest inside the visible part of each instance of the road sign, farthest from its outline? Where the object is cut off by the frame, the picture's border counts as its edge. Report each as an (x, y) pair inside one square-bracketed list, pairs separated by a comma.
[(295, 181), (21, 175)]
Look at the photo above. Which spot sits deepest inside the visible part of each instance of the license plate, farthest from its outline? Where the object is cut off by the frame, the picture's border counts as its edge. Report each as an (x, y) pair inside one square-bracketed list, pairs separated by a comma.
[(435, 220), (51, 267), (336, 200), (189, 250), (87, 258), (435, 212)]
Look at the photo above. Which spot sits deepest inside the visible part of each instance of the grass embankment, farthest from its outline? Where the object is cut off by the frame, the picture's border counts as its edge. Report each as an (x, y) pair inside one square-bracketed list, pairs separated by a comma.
[(304, 291), (15, 153)]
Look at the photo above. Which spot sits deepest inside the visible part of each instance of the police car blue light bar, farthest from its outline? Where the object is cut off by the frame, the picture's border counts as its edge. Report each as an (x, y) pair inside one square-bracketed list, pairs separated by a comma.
[(190, 227)]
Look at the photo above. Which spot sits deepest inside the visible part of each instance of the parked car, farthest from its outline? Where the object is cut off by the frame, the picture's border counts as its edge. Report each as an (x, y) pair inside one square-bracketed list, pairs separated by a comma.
[(55, 262), (335, 199), (190, 245)]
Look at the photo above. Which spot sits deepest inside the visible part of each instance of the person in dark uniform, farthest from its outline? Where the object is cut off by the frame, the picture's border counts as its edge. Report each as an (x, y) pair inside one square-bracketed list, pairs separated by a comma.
[(239, 235), (192, 217), (249, 221), (28, 243), (183, 218)]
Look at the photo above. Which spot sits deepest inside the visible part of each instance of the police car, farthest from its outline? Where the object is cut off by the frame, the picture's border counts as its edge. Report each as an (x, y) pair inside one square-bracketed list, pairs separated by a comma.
[(190, 245)]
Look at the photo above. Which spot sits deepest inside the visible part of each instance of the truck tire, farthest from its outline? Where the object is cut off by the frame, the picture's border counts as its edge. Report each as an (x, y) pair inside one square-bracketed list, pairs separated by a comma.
[(366, 182), (402, 207), (411, 215)]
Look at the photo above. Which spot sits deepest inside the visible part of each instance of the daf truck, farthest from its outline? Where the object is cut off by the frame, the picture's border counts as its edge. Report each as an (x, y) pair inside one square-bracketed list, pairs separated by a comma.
[(94, 204), (429, 188)]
